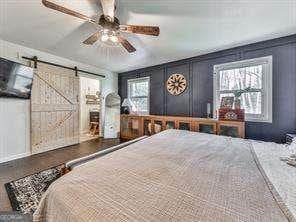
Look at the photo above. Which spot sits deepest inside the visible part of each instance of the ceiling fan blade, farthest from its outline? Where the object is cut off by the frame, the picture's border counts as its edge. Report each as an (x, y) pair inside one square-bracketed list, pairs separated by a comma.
[(108, 8), (145, 30), (126, 44), (92, 39), (62, 9)]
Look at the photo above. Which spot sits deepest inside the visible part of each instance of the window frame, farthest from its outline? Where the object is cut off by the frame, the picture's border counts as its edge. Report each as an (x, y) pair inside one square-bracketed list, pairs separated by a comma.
[(266, 109), (135, 80)]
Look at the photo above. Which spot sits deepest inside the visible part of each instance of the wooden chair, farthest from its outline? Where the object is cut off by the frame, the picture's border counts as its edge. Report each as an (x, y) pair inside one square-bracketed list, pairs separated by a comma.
[(93, 128)]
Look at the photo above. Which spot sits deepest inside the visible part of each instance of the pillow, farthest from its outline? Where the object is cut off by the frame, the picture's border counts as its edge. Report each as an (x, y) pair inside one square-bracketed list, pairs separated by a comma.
[(292, 147), (291, 159)]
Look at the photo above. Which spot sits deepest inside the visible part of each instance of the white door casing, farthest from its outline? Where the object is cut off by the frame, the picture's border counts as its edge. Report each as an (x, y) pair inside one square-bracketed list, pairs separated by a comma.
[(54, 108)]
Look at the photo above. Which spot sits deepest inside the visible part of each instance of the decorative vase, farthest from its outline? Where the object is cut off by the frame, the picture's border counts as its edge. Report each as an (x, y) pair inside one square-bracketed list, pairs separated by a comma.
[(237, 103)]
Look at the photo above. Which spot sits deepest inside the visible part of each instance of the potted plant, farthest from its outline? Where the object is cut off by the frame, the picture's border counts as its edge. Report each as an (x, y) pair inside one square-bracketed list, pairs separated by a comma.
[(237, 94)]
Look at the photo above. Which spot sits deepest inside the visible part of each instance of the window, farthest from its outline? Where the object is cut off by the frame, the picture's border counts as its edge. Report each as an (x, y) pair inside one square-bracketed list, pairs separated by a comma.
[(138, 92), (254, 75)]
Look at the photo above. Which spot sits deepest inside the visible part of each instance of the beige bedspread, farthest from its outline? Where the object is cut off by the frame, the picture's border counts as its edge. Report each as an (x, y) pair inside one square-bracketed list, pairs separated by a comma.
[(172, 176), (280, 176)]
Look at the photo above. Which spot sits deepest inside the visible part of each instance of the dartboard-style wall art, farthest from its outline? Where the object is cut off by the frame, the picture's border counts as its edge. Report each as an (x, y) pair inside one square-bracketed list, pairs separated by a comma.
[(176, 84)]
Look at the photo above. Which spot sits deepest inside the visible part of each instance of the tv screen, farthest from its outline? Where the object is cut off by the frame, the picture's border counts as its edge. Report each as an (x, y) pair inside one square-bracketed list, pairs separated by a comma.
[(15, 79)]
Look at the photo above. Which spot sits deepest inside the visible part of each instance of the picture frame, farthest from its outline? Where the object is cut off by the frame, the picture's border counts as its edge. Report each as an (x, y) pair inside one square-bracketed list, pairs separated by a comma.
[(92, 99), (227, 102)]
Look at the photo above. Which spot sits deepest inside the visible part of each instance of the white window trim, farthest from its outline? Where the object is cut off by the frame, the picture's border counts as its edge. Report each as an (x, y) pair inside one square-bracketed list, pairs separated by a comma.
[(148, 97), (266, 85)]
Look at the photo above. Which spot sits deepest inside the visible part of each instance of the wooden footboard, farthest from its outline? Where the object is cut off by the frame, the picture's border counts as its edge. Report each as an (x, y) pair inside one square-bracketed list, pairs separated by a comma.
[(76, 162)]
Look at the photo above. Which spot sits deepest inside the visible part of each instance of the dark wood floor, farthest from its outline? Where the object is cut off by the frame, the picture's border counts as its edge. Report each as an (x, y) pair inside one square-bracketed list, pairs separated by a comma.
[(22, 167)]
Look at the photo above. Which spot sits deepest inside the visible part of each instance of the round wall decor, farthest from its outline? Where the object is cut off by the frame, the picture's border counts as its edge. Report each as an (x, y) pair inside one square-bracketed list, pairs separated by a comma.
[(176, 84)]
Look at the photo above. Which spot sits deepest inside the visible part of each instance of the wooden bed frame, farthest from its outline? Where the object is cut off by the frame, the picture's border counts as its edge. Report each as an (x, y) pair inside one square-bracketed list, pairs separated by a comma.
[(76, 162)]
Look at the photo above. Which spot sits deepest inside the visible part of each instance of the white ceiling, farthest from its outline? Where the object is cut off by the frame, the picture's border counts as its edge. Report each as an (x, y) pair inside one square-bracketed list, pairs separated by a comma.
[(187, 28)]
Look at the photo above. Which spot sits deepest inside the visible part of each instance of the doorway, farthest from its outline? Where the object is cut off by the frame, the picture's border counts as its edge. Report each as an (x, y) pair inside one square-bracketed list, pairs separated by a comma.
[(90, 108)]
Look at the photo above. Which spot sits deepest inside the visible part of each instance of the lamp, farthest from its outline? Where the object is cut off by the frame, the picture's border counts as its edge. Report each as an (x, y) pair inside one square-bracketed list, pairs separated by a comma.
[(128, 106)]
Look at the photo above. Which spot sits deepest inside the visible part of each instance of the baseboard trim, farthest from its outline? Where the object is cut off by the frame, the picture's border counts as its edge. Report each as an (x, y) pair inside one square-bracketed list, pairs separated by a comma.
[(14, 157)]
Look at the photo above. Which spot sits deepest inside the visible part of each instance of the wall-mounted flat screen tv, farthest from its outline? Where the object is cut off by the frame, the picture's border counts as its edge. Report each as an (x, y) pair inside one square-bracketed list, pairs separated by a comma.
[(15, 79)]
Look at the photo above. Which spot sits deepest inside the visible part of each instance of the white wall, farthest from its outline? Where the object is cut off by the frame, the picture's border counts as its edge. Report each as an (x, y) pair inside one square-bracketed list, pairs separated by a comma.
[(108, 84), (14, 129), (87, 86), (15, 113)]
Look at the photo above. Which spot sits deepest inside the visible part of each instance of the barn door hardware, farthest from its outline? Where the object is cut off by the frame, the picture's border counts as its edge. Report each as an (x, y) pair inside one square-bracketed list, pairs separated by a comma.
[(35, 60)]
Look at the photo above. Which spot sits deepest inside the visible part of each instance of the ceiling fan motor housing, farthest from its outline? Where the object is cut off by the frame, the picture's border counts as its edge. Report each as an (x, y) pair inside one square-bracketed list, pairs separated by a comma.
[(107, 23)]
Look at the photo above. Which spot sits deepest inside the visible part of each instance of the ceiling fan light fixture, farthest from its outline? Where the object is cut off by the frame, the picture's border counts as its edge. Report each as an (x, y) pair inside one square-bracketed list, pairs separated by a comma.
[(114, 38), (104, 37)]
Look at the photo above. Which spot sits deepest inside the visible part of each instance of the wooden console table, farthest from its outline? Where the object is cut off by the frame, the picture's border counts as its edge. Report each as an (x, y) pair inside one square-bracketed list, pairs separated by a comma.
[(133, 126)]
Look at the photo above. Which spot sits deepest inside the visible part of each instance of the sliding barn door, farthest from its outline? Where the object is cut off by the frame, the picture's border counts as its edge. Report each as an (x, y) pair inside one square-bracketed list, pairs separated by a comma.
[(54, 108)]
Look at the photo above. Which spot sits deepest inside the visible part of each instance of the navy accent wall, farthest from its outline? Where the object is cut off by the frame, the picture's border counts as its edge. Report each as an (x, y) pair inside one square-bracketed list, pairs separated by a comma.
[(199, 74)]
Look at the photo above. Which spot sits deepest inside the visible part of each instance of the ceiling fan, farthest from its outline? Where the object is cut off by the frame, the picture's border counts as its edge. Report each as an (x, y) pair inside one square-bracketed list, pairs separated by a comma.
[(111, 27)]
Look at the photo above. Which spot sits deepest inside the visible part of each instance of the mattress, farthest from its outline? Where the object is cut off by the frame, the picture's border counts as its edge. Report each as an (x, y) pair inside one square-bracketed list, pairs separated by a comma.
[(172, 176)]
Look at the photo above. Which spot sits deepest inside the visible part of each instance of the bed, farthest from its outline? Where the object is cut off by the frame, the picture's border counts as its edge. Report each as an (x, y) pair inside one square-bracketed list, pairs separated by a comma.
[(172, 176)]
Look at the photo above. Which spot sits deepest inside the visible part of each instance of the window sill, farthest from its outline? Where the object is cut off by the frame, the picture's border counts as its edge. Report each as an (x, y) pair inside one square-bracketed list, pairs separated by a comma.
[(258, 120)]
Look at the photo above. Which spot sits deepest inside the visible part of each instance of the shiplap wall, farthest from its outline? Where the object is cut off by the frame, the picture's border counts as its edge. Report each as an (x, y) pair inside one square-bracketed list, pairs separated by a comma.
[(15, 113)]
